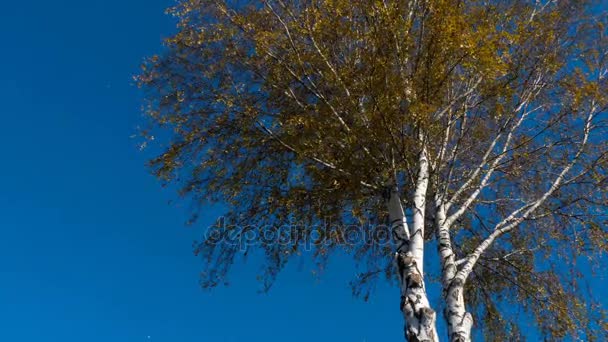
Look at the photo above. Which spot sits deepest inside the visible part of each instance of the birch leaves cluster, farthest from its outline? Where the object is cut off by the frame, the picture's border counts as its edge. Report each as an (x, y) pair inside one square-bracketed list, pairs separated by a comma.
[(485, 121)]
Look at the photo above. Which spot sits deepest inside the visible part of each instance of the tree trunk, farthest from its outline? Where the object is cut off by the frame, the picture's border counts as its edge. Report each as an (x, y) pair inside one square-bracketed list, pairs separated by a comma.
[(459, 321), (418, 315)]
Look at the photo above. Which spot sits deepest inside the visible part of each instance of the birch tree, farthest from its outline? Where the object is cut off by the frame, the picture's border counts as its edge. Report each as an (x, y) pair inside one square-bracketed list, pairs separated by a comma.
[(474, 130)]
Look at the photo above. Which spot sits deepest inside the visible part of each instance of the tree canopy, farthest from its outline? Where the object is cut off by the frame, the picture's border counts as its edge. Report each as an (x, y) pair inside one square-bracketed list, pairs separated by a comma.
[(488, 119)]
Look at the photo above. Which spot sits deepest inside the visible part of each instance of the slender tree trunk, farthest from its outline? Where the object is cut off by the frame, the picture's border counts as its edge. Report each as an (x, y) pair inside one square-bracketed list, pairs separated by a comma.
[(417, 245), (418, 315), (459, 321)]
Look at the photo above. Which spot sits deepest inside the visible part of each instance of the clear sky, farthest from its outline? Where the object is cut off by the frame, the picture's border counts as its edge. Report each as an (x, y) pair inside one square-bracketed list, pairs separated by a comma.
[(90, 249)]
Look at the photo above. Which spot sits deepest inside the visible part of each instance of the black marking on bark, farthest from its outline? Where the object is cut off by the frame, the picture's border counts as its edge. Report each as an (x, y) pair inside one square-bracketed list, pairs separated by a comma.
[(414, 280), (457, 282), (427, 316), (411, 336), (399, 220), (402, 245), (405, 260), (418, 231)]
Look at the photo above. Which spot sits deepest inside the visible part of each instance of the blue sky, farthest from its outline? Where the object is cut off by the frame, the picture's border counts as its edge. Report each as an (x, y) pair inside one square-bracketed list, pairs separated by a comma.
[(90, 249)]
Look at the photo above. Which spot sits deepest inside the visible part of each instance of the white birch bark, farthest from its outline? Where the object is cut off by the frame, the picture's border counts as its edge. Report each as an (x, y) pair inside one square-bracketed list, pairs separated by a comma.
[(419, 317), (417, 237), (459, 321)]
